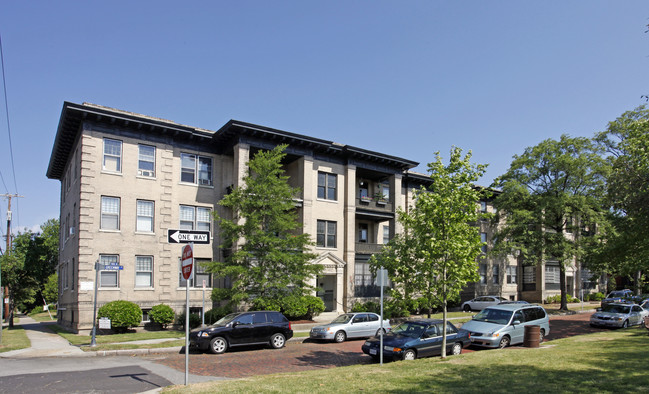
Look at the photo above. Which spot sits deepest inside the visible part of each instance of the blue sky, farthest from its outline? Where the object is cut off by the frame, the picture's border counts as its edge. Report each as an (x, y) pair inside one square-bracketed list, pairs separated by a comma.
[(402, 78)]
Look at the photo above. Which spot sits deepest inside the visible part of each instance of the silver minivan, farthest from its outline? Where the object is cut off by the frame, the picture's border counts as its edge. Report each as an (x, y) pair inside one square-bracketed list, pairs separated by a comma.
[(502, 325)]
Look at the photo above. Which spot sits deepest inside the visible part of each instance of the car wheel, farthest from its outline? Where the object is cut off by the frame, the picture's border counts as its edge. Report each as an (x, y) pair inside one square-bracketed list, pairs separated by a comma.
[(504, 342), (378, 332), (456, 349), (467, 308), (625, 324), (277, 341), (218, 345), (409, 354), (541, 335), (340, 336)]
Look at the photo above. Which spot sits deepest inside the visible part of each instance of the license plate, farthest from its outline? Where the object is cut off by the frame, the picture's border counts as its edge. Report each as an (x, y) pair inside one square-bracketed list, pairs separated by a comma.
[(372, 351)]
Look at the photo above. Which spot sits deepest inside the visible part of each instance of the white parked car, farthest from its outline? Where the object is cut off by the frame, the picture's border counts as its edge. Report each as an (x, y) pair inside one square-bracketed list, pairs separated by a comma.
[(479, 303), (351, 325)]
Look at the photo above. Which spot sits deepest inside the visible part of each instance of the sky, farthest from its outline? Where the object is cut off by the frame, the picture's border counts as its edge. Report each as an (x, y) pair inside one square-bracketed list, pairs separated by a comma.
[(404, 78)]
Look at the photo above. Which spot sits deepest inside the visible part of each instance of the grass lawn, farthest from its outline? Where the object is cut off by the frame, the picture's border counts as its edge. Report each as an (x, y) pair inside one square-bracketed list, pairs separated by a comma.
[(44, 316), (81, 340), (610, 361), (14, 339)]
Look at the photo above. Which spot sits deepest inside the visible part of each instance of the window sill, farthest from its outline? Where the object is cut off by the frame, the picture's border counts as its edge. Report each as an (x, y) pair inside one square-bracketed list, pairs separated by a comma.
[(196, 185), (193, 288), (326, 200), (109, 288), (144, 288), (149, 233), (151, 178), (103, 230), (111, 172)]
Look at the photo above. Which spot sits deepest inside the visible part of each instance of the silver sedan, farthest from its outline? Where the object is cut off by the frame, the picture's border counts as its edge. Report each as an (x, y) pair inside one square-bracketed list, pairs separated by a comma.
[(617, 315), (350, 325)]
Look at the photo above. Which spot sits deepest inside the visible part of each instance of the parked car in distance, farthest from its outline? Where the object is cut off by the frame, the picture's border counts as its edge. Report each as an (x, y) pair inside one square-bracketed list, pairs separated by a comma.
[(479, 303), (619, 315), (243, 328), (502, 325), (350, 325), (617, 296), (418, 338)]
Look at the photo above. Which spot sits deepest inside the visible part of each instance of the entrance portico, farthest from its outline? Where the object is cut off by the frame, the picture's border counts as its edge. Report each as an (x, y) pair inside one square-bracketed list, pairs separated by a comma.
[(330, 282)]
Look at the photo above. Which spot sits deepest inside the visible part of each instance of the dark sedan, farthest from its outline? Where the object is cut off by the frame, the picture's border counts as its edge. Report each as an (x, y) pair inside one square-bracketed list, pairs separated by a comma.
[(418, 338)]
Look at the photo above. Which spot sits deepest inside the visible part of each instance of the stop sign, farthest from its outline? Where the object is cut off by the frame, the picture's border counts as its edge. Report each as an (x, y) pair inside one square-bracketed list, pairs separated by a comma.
[(187, 261)]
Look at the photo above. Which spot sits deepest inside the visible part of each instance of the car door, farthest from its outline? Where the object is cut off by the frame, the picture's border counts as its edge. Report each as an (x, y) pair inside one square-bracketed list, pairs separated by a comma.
[(242, 330), (636, 315), (261, 329), (517, 330), (358, 326), (451, 337), (430, 342)]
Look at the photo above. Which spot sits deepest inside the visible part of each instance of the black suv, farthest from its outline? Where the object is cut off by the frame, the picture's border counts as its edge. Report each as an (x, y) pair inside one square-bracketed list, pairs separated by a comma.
[(243, 328)]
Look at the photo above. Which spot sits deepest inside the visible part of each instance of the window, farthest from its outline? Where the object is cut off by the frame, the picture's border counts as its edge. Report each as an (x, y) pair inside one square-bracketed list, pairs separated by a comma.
[(386, 234), (551, 274), (146, 161), (483, 206), (108, 278), (112, 155), (144, 213), (483, 239), (327, 186), (362, 232), (495, 274), (143, 271), (483, 274), (109, 213), (385, 191), (145, 315), (529, 274), (191, 165), (195, 218), (511, 274), (364, 192), (200, 274), (326, 234)]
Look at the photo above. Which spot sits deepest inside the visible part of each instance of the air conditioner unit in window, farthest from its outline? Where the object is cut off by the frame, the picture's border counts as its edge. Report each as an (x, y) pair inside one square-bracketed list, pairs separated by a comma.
[(204, 182), (145, 173)]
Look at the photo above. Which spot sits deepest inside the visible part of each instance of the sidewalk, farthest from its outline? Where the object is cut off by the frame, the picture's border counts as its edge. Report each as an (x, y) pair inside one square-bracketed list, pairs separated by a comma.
[(44, 342)]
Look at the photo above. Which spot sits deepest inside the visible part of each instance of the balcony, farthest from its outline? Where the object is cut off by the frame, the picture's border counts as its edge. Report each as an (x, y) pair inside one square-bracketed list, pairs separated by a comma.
[(365, 248), (376, 205)]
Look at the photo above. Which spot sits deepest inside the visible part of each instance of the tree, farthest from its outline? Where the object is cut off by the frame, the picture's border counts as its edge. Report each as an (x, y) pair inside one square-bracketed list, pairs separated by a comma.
[(269, 253), (436, 255), (28, 265), (51, 289), (626, 142), (552, 200)]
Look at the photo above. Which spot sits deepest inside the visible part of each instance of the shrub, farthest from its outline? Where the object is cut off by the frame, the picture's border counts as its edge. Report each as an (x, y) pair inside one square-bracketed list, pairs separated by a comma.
[(162, 314), (122, 314), (294, 307), (194, 320), (596, 296), (213, 315)]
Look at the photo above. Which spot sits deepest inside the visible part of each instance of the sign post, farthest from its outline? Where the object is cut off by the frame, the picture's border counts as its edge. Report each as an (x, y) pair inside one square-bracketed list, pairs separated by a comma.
[(187, 269)]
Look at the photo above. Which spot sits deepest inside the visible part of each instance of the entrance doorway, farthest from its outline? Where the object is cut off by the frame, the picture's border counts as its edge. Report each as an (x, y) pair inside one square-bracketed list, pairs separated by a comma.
[(326, 291)]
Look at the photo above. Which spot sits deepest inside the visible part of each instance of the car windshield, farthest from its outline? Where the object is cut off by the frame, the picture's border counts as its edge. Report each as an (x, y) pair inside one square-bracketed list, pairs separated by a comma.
[(616, 294), (409, 329), (342, 319), (495, 316), (226, 319), (616, 308)]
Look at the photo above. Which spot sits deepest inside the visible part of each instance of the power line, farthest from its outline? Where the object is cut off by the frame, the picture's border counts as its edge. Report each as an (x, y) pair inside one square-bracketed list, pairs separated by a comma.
[(4, 84), (3, 182)]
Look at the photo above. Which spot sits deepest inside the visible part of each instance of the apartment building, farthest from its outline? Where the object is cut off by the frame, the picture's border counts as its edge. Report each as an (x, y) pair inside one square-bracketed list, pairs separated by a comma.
[(126, 179)]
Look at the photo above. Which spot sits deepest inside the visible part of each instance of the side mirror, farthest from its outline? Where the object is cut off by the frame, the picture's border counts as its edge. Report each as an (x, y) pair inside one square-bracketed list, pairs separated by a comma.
[(598, 309), (516, 322), (234, 324)]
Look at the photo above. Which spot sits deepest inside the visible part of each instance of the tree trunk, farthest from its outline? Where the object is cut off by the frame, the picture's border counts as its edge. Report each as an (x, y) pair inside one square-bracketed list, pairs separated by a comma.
[(638, 282), (562, 285)]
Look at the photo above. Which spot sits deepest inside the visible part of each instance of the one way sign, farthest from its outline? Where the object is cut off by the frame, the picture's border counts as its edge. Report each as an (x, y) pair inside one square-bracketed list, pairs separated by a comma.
[(187, 236)]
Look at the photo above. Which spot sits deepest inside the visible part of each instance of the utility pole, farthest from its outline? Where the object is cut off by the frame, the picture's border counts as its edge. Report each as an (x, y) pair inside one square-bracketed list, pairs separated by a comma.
[(7, 251)]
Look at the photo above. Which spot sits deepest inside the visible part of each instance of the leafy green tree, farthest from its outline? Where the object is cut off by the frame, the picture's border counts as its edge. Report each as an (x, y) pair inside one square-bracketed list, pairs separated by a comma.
[(626, 141), (269, 252), (27, 266), (552, 201), (436, 256), (51, 289)]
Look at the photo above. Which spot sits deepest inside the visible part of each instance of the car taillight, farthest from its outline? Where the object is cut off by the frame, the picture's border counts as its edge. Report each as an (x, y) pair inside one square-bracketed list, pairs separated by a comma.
[(289, 325)]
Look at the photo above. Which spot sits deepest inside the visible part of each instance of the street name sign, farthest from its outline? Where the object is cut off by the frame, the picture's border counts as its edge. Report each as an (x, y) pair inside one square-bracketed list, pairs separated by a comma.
[(188, 236)]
